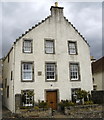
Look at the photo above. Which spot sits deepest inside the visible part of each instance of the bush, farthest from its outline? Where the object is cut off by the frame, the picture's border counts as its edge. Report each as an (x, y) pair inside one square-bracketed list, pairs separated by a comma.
[(26, 107), (43, 105), (81, 94), (65, 103), (36, 108), (88, 103)]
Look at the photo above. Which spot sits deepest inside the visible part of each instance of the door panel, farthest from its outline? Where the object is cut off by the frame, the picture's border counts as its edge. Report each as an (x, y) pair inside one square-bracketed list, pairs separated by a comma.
[(51, 97)]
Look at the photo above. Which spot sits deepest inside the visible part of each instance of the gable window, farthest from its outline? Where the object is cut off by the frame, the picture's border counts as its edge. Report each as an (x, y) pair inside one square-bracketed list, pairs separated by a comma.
[(50, 71), (74, 71), (7, 91), (27, 97), (11, 75), (27, 46), (27, 71), (49, 47), (72, 48)]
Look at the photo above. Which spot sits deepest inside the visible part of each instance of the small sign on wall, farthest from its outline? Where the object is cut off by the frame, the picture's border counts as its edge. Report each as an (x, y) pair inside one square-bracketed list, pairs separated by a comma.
[(39, 73)]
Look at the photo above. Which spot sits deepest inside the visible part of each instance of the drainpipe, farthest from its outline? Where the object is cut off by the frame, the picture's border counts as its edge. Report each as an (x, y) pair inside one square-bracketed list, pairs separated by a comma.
[(13, 79)]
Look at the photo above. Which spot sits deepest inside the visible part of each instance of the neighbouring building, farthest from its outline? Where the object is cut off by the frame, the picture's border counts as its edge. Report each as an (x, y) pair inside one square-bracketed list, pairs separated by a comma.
[(98, 74), (51, 61), (1, 86)]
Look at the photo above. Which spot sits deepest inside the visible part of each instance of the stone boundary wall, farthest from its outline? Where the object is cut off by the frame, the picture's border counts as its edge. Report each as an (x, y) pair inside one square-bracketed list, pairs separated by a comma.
[(35, 113), (85, 111)]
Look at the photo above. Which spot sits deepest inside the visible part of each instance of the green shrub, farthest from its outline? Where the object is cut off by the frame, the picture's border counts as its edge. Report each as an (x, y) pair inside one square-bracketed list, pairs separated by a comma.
[(43, 105), (65, 103), (81, 94), (36, 108), (25, 107), (88, 103)]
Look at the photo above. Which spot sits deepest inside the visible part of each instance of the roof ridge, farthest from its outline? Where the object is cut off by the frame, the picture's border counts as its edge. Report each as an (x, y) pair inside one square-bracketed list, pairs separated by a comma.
[(76, 30)]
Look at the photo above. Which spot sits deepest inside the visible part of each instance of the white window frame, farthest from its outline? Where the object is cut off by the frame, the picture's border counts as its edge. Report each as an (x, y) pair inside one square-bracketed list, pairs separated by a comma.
[(28, 103), (51, 71), (74, 69), (27, 46), (49, 49), (72, 47), (27, 71)]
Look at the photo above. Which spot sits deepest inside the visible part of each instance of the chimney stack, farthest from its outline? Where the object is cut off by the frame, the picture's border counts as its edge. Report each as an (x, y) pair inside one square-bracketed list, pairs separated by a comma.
[(56, 11)]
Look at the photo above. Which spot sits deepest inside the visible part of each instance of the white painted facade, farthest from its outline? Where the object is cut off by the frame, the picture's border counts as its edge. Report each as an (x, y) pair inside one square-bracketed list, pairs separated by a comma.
[(98, 80), (58, 28), (98, 74)]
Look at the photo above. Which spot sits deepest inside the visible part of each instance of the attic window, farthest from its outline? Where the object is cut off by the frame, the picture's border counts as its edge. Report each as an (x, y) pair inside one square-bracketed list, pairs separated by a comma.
[(72, 47), (27, 46), (49, 47)]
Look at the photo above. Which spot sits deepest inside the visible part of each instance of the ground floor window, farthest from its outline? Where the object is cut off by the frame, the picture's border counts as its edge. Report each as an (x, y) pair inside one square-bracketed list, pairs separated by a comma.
[(27, 97), (74, 94)]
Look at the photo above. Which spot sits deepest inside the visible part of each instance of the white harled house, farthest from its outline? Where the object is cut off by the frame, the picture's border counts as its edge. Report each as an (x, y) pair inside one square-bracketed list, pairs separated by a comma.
[(51, 60)]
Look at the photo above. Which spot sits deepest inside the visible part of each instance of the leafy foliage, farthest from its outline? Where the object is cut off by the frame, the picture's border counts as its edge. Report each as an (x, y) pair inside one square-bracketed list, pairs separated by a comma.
[(43, 104), (65, 103), (88, 103), (81, 94)]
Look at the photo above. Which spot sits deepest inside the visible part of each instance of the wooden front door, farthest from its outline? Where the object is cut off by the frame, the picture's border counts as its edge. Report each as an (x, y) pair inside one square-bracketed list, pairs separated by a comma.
[(51, 98)]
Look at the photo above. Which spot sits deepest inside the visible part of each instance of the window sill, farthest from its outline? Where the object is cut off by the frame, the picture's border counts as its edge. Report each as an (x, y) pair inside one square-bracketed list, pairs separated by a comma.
[(28, 52), (75, 80), (73, 54), (50, 53), (27, 80), (51, 80)]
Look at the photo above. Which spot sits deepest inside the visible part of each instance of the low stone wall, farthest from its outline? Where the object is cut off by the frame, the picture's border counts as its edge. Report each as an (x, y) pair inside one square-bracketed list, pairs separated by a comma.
[(32, 113), (84, 111)]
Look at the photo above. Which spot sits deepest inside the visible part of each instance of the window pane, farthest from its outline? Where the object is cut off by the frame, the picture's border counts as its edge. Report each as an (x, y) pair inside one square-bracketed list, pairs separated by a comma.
[(27, 97), (27, 71), (27, 46), (50, 71), (49, 46), (72, 48), (74, 71)]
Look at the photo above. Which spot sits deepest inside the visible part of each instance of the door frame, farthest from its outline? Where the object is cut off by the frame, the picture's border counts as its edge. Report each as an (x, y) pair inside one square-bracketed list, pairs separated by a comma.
[(52, 90)]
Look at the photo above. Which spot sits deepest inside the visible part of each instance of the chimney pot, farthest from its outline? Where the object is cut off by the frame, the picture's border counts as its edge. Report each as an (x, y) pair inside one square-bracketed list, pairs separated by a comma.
[(56, 4)]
